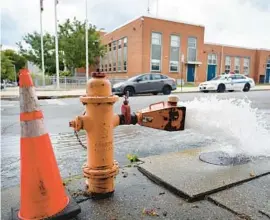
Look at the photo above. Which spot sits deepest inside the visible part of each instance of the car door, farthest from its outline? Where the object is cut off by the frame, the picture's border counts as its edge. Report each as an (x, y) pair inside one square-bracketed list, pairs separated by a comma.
[(157, 82), (143, 84), (240, 82), (230, 82)]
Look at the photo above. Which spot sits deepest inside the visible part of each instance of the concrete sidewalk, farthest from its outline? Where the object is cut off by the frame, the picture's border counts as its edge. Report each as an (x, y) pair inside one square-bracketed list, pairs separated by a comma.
[(13, 93), (187, 189), (135, 194)]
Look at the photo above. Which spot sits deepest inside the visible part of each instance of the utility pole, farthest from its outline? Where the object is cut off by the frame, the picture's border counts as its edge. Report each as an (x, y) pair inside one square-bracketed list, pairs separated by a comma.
[(148, 7), (86, 43), (41, 43), (56, 46), (157, 8)]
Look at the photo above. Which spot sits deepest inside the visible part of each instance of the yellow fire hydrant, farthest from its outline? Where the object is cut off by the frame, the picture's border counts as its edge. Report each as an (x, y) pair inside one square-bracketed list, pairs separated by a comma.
[(99, 121)]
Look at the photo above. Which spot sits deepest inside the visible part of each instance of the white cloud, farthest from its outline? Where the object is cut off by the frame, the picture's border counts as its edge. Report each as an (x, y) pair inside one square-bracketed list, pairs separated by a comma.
[(234, 22)]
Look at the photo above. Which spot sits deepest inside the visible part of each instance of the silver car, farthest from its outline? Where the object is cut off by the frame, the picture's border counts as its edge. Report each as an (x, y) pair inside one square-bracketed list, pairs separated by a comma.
[(145, 83)]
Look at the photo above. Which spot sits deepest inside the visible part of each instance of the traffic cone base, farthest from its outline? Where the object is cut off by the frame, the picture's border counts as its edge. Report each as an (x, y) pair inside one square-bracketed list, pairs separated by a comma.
[(71, 211)]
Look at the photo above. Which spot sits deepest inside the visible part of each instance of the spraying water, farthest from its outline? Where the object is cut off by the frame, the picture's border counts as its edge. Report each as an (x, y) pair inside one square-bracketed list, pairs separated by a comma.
[(237, 127)]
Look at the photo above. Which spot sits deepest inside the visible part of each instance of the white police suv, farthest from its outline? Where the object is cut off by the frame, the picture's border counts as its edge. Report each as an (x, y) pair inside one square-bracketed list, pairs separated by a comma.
[(228, 82)]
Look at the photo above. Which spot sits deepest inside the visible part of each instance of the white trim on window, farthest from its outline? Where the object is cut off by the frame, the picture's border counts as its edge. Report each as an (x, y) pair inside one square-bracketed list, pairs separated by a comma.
[(246, 66), (172, 63), (237, 65), (161, 51), (194, 46)]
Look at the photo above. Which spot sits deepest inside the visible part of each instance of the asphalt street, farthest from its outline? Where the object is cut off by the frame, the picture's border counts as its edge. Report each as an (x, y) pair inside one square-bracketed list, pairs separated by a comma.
[(128, 139)]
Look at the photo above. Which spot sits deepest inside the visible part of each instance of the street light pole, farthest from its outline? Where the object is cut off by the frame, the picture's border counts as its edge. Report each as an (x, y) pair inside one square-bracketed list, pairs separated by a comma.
[(41, 42), (86, 43), (56, 46)]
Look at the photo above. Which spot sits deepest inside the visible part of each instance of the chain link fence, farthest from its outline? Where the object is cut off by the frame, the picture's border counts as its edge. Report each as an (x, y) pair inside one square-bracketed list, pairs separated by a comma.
[(68, 82)]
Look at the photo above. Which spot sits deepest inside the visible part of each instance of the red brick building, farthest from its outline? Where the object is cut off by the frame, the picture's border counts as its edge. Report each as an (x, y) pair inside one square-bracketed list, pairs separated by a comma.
[(178, 50)]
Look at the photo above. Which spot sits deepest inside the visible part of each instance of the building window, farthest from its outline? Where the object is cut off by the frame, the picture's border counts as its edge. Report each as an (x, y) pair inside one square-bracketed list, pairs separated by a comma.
[(110, 67), (237, 65), (125, 54), (227, 64), (100, 63), (268, 63), (246, 66), (174, 53), (105, 62), (119, 55), (156, 52), (212, 59), (114, 44), (192, 49)]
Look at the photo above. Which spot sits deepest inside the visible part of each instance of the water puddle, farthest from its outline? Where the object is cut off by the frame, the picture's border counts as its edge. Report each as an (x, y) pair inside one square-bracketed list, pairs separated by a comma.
[(230, 125)]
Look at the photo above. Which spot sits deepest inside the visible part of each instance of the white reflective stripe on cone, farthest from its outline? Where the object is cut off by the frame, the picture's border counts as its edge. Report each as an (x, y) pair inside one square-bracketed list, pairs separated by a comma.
[(28, 100), (33, 128)]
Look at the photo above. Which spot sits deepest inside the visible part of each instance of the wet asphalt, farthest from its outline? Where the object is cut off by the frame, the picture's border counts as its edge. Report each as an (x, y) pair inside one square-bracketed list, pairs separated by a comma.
[(128, 139)]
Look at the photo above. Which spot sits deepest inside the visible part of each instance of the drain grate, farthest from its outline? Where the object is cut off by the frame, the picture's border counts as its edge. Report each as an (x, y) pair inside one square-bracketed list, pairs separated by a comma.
[(223, 159)]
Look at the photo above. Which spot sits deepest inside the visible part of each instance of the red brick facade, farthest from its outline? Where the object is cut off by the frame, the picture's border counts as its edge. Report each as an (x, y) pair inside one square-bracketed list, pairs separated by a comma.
[(138, 34)]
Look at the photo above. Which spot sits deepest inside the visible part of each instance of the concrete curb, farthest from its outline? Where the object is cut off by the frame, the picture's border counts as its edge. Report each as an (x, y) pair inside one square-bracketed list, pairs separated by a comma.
[(16, 98)]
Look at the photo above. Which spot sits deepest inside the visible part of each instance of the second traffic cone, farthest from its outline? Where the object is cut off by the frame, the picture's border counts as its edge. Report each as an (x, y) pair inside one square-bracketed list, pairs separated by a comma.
[(42, 191)]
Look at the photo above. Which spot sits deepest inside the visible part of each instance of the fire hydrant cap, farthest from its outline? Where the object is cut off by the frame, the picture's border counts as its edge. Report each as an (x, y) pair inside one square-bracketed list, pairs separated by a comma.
[(98, 74), (173, 98)]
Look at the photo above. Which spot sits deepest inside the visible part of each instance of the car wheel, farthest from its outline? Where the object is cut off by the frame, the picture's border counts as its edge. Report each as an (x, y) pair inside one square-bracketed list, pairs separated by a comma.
[(246, 87), (166, 90), (230, 90), (130, 90), (155, 93), (221, 88)]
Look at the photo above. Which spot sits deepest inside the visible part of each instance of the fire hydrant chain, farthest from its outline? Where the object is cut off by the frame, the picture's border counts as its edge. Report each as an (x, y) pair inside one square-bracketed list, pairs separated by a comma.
[(77, 136), (79, 140)]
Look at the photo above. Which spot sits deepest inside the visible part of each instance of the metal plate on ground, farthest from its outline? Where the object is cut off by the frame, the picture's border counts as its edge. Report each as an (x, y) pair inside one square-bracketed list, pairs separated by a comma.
[(255, 195), (186, 175), (223, 159)]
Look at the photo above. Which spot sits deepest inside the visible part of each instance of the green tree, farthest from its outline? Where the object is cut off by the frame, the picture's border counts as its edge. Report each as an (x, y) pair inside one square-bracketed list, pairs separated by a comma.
[(32, 51), (71, 47), (18, 60), (72, 43), (7, 68)]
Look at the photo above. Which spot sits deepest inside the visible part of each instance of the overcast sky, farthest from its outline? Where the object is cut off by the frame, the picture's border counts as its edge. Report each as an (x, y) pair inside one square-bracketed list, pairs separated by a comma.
[(235, 22)]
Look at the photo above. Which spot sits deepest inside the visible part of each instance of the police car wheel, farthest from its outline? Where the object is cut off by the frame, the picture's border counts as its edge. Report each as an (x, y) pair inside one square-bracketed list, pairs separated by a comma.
[(221, 88), (246, 87)]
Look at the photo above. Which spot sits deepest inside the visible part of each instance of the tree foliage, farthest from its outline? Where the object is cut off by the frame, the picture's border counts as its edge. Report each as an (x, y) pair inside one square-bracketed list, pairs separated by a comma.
[(72, 42), (11, 63), (32, 51), (71, 39)]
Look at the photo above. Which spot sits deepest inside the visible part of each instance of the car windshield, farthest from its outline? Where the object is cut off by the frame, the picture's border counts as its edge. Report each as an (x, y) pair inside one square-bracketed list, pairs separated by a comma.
[(218, 78), (133, 78)]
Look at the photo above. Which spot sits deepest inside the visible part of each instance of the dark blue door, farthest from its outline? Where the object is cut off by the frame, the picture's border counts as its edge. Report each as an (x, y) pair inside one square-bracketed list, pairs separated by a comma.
[(267, 77), (191, 72), (211, 72)]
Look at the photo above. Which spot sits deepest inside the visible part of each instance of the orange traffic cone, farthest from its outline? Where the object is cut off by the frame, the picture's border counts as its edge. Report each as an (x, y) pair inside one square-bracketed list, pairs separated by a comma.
[(42, 192)]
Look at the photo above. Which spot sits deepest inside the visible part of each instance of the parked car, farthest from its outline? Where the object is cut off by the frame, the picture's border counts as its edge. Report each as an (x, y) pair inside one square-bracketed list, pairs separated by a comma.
[(228, 82), (146, 83)]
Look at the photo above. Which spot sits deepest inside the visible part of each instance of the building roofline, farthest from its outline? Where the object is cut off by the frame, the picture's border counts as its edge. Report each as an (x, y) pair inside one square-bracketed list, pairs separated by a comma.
[(234, 46), (173, 20), (268, 50), (122, 25), (152, 17)]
